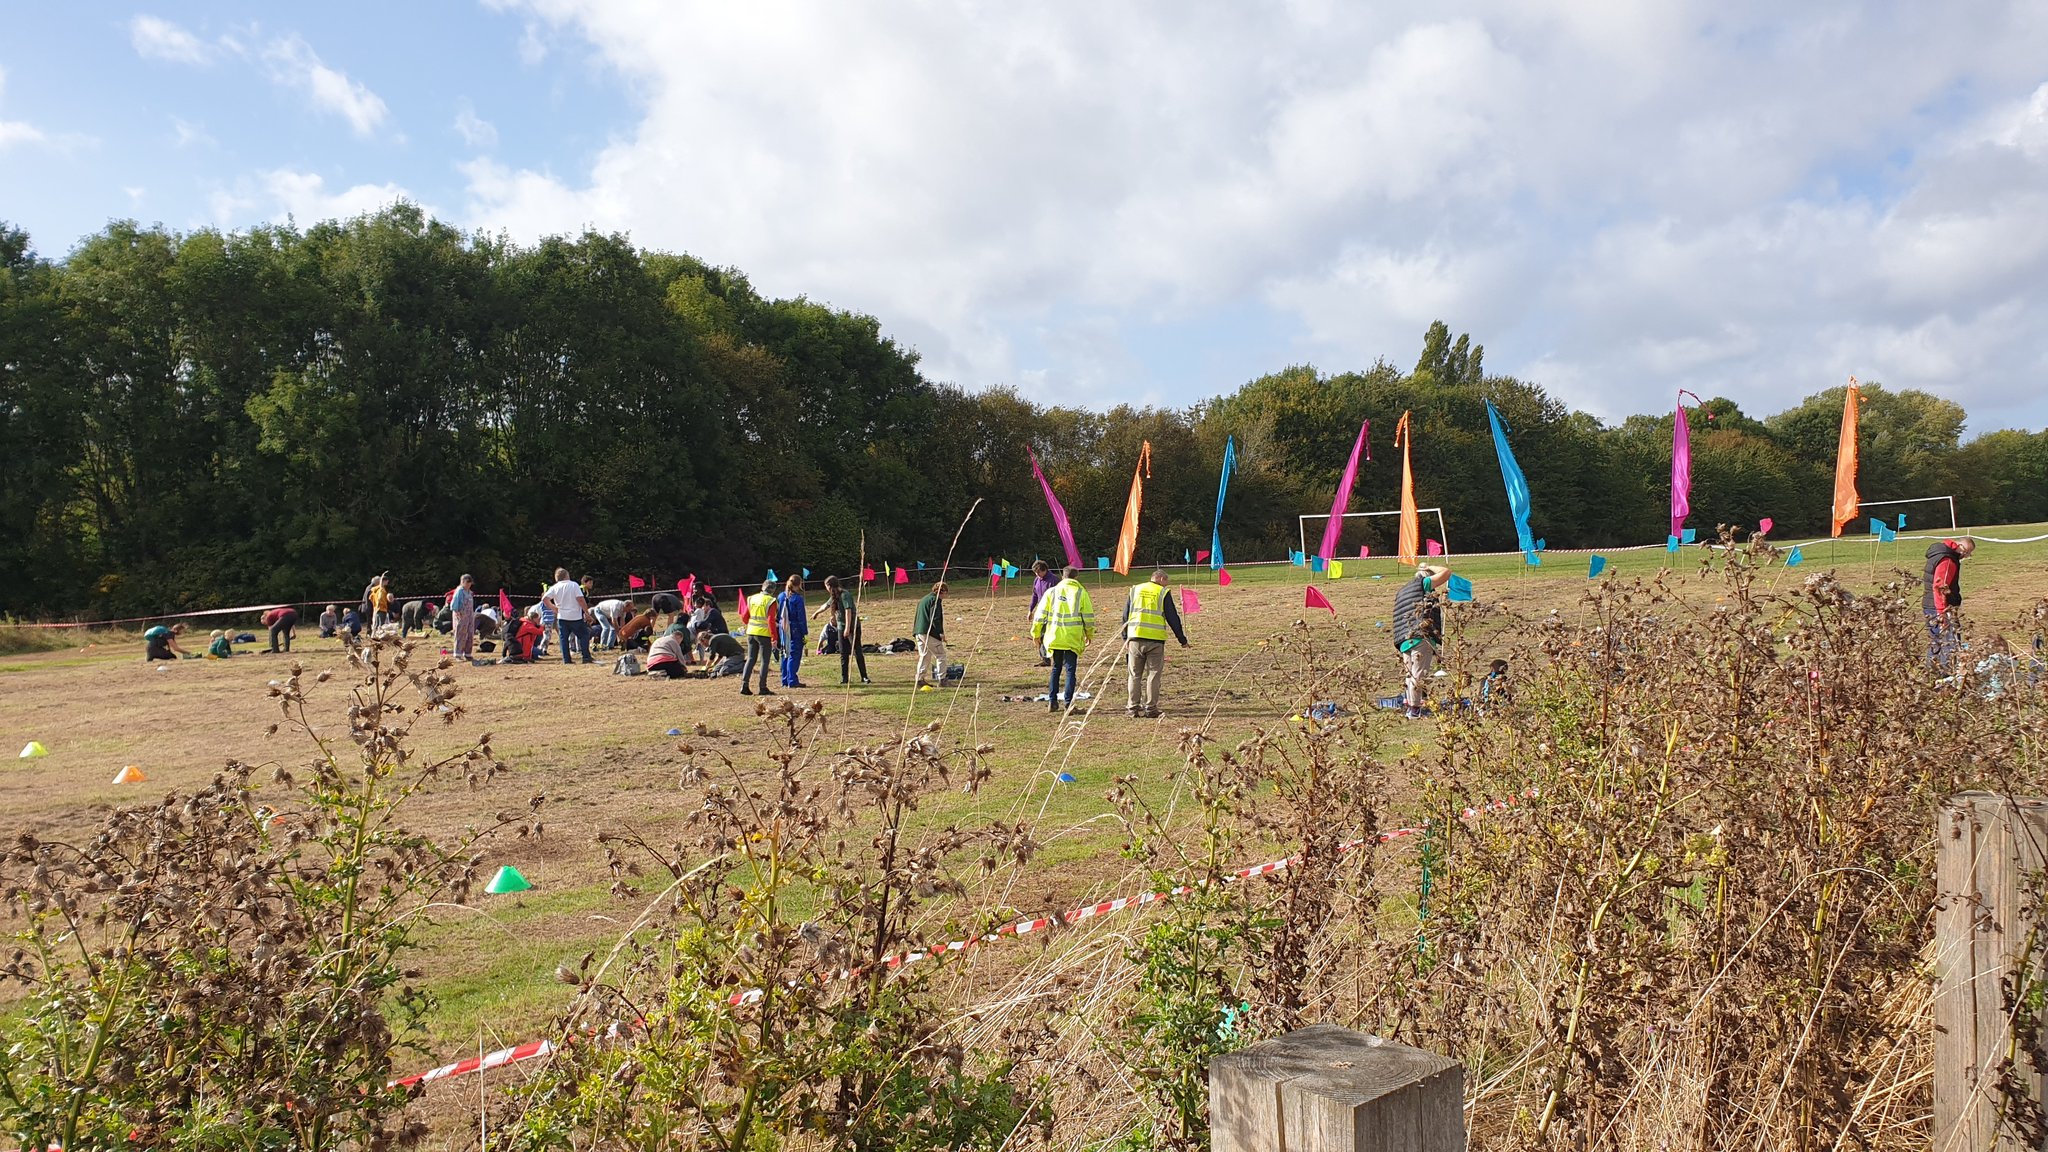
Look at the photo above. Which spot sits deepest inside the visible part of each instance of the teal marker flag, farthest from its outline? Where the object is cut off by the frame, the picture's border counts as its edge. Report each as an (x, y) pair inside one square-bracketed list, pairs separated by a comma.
[(1794, 558), (1460, 589), (1517, 484), (1598, 565), (1222, 487)]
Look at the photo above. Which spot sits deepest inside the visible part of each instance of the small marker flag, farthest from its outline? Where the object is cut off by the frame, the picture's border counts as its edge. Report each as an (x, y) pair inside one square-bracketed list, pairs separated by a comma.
[(1189, 602), (902, 577), (1364, 550), (1595, 567), (1460, 589), (867, 575), (687, 587), (807, 573), (1223, 577), (772, 577), (1886, 533), (1102, 563), (1201, 556), (1186, 556), (1294, 558), (1335, 569), (1317, 564), (1689, 535), (1010, 572), (1671, 543), (1315, 599), (1902, 519), (1541, 544), (507, 881), (129, 775), (1876, 526), (505, 605), (1794, 558), (634, 582), (1436, 547), (920, 565), (1066, 777), (1764, 526)]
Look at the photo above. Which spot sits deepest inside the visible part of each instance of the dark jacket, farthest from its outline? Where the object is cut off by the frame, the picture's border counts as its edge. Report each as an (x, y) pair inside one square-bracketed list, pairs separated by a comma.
[(1410, 623), (931, 617), (1936, 553)]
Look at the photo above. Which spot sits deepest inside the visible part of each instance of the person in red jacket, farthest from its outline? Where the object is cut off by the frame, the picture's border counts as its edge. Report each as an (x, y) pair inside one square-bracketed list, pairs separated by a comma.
[(1941, 596), (524, 637), (281, 621)]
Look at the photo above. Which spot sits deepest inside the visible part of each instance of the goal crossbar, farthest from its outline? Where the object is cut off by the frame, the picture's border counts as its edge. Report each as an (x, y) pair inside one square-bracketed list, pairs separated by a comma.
[(1442, 537), (1952, 524)]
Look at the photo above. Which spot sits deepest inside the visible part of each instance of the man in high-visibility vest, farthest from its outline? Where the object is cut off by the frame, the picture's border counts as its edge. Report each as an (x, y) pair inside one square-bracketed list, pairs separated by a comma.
[(1149, 615), (759, 622), (1063, 624)]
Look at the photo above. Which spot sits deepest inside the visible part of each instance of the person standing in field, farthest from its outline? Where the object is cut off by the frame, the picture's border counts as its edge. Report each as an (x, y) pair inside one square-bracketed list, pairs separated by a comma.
[(1149, 614), (572, 611), (380, 604), (928, 629), (1063, 625), (846, 622), (758, 620), (1413, 637), (1041, 583), (792, 625), (462, 607), (281, 620), (1941, 597)]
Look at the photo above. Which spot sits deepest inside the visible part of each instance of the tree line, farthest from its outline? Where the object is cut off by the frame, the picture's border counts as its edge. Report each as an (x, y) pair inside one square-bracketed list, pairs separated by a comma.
[(209, 418)]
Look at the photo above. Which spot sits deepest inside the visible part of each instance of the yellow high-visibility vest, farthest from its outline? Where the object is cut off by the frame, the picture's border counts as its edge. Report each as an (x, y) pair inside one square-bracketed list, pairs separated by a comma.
[(1065, 618), (760, 611), (1148, 616)]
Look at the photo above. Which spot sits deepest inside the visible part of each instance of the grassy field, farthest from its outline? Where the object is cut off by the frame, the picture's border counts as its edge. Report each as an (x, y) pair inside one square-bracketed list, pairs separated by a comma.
[(595, 745)]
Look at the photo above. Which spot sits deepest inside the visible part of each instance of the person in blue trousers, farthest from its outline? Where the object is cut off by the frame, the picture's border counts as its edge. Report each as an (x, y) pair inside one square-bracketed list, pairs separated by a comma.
[(792, 624)]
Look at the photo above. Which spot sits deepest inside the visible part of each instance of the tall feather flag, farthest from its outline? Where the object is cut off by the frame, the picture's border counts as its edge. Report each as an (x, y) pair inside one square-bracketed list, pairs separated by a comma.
[(1411, 520), (1681, 463), (1511, 474), (1342, 503), (1059, 514), (1127, 540), (1222, 486), (1846, 500)]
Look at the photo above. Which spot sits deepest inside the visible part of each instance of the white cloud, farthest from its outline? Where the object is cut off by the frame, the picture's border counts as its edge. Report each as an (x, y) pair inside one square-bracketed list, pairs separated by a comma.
[(475, 131), (185, 134), (1618, 201), (293, 63), (14, 132), (159, 39), (285, 193)]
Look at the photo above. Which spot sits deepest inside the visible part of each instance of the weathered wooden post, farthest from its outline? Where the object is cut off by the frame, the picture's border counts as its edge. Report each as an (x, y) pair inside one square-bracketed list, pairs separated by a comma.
[(1988, 1085), (1329, 1089)]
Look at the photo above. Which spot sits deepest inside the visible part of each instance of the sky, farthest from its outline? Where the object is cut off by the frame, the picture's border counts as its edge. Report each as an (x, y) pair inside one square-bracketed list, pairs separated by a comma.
[(1152, 201)]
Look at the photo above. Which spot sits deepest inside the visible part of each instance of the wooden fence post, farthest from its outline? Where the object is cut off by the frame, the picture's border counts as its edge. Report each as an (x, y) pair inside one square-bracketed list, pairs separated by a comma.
[(1988, 1088), (1330, 1089)]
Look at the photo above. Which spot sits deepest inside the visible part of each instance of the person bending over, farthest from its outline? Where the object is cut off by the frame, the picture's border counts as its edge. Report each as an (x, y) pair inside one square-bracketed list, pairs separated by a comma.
[(281, 621), (161, 643), (665, 655)]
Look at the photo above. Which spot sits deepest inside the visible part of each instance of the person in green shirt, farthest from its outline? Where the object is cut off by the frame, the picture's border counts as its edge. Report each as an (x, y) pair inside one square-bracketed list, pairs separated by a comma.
[(220, 648), (161, 643), (928, 628)]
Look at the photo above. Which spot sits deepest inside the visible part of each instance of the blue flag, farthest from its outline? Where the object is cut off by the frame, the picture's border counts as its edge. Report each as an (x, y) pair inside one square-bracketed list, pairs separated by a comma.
[(1102, 563), (1511, 474), (807, 573), (1876, 526), (1671, 543), (1689, 535), (1294, 558), (1460, 588), (1532, 560), (1317, 564), (1222, 486), (1794, 558), (1593, 569), (1541, 544), (1187, 556), (1886, 533), (771, 575), (1902, 520)]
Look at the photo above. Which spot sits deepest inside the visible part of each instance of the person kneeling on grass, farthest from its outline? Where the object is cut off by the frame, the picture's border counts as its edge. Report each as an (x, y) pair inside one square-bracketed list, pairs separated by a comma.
[(220, 648), (161, 643), (330, 621), (665, 655), (721, 654)]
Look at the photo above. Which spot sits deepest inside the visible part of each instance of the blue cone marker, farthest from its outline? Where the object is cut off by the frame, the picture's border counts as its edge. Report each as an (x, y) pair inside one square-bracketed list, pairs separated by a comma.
[(1066, 777)]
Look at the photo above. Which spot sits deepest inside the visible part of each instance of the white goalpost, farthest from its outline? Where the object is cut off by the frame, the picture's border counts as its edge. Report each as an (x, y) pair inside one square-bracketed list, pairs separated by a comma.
[(1950, 501), (1441, 536)]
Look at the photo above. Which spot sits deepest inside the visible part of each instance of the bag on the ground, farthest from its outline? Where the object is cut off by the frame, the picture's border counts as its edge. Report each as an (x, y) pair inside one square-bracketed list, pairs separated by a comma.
[(955, 672), (627, 665)]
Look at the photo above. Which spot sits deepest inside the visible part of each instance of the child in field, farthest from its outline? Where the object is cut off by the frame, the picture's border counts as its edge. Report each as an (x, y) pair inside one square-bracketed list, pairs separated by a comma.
[(220, 648), (1496, 689)]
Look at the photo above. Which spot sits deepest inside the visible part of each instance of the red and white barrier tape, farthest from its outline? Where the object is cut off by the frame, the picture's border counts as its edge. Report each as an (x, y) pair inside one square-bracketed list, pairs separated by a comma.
[(534, 1049)]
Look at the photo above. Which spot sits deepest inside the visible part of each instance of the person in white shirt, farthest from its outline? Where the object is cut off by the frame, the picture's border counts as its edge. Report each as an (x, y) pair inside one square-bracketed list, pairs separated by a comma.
[(611, 616), (572, 621)]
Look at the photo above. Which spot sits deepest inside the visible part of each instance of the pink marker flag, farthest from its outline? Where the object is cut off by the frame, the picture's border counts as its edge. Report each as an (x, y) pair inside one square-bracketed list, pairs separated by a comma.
[(505, 606), (1342, 503), (1059, 514), (1364, 550), (1202, 557), (1436, 547), (1189, 602), (1681, 465), (902, 577), (634, 582), (687, 587), (1763, 527), (1223, 577), (867, 575), (1316, 599)]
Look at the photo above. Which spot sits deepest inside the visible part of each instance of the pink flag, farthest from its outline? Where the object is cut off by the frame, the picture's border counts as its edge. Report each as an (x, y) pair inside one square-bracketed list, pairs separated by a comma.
[(1436, 547), (1681, 465), (902, 577), (634, 582), (1364, 550), (1202, 556), (1343, 502), (867, 575), (1223, 577), (1189, 602), (505, 606), (1316, 599), (687, 587), (1763, 528), (1059, 514)]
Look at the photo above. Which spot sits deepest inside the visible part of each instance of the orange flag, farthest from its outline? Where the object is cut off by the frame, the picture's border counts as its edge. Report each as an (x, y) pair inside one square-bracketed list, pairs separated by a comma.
[(1846, 501), (1411, 526), (1127, 542)]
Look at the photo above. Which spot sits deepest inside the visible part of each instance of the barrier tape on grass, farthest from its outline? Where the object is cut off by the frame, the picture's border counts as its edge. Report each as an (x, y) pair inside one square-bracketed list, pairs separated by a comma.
[(534, 1049)]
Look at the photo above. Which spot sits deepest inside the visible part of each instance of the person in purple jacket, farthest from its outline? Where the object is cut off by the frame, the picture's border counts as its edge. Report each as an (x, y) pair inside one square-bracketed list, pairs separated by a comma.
[(1041, 583)]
